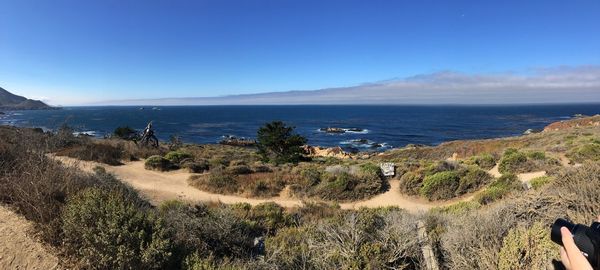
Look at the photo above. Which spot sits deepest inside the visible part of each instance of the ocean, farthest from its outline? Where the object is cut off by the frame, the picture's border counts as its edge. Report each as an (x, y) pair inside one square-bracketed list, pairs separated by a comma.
[(368, 128)]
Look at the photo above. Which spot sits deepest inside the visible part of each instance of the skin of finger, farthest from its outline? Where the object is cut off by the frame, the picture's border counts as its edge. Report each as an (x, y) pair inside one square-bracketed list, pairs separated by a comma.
[(569, 244), (564, 258)]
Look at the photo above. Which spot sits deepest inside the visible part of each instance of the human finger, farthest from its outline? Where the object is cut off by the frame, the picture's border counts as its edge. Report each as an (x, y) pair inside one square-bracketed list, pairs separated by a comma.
[(564, 258)]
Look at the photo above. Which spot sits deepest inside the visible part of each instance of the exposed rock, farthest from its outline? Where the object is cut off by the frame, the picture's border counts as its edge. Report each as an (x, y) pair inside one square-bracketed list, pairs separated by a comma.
[(317, 151), (333, 130)]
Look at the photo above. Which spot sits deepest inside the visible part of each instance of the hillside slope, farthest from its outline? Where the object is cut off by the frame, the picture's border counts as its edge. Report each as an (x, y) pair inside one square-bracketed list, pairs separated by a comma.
[(9, 101)]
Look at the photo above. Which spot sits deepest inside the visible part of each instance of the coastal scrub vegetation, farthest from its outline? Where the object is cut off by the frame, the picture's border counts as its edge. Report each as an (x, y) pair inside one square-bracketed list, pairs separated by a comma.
[(96, 221), (442, 180), (515, 161)]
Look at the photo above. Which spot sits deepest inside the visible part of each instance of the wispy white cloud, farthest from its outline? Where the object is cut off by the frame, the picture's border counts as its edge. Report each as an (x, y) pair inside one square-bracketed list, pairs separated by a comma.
[(544, 85)]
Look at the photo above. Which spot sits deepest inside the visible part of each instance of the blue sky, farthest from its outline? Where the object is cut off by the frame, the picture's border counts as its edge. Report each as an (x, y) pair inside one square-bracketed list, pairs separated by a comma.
[(73, 52)]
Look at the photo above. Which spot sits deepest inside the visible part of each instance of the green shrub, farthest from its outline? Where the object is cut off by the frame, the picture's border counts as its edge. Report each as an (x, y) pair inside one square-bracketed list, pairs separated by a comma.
[(440, 166), (311, 176), (158, 163), (108, 230), (270, 216), (346, 186), (290, 248), (473, 179), (586, 152), (195, 166), (239, 169), (499, 189), (441, 185), (458, 208), (176, 157), (511, 162), (485, 161), (261, 168), (411, 183), (538, 182), (537, 155), (219, 181), (99, 152), (510, 151), (527, 248), (371, 170)]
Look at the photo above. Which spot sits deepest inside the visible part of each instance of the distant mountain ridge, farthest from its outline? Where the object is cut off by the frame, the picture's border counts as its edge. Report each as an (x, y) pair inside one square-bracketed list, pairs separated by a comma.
[(10, 101)]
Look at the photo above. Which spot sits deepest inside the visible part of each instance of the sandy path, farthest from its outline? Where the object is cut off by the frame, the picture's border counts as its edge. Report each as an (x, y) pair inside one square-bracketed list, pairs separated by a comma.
[(524, 177), (160, 186), (393, 197), (495, 172), (18, 250)]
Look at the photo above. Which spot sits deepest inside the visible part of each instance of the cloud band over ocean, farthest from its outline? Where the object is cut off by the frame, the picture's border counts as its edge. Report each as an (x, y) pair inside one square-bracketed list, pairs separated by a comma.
[(549, 85)]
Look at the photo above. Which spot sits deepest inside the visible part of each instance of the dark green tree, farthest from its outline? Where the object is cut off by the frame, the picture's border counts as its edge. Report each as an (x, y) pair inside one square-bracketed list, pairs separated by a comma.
[(278, 143)]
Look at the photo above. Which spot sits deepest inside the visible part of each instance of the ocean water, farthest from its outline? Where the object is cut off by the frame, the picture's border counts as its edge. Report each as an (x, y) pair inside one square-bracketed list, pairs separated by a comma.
[(383, 127)]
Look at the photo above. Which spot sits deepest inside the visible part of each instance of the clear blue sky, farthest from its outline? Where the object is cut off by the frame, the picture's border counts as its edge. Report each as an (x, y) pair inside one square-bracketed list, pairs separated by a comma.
[(77, 51)]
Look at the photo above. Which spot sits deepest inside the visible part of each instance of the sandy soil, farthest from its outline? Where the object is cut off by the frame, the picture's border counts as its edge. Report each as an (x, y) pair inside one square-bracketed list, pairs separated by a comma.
[(18, 249), (160, 186), (393, 197), (495, 172)]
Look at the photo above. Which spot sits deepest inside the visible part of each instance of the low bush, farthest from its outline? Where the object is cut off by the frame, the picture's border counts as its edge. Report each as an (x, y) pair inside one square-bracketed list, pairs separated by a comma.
[(176, 157), (538, 155), (239, 169), (538, 182), (270, 217), (108, 230), (411, 183), (346, 186), (587, 152), (99, 152), (195, 166), (158, 163), (368, 239), (441, 185), (500, 188), (485, 161), (261, 168), (440, 166), (527, 248), (458, 208), (512, 162), (472, 180), (218, 181)]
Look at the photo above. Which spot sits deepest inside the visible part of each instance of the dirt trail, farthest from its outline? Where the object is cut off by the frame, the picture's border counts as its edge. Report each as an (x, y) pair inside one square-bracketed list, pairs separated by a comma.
[(393, 197), (160, 186), (18, 250)]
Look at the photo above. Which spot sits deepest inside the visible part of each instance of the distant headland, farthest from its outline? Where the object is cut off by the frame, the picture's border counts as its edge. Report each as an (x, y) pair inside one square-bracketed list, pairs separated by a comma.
[(9, 101)]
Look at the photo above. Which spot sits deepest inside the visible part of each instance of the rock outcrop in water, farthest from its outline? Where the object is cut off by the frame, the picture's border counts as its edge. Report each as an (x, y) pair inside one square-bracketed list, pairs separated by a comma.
[(9, 101)]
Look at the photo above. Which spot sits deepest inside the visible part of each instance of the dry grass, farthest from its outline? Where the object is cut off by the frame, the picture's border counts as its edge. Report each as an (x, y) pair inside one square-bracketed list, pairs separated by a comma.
[(473, 239)]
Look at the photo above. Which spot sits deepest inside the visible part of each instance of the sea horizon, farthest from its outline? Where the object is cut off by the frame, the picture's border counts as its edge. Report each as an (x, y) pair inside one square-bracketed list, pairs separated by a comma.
[(383, 126)]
